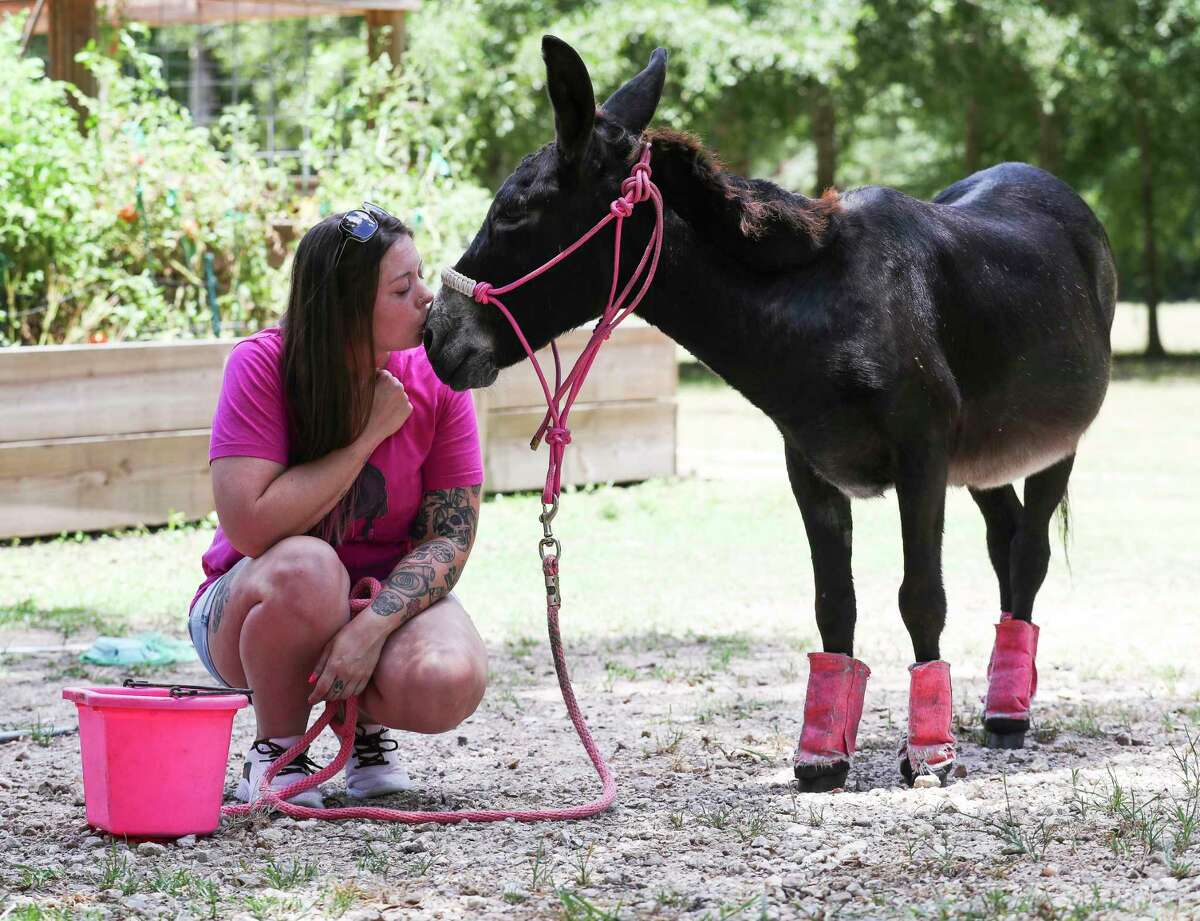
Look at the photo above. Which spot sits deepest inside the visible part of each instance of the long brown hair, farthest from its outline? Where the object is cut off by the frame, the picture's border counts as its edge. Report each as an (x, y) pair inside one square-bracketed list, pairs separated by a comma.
[(329, 349)]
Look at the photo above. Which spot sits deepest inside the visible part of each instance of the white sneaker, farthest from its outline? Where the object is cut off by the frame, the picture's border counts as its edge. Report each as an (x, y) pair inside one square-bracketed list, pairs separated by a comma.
[(374, 769), (259, 758)]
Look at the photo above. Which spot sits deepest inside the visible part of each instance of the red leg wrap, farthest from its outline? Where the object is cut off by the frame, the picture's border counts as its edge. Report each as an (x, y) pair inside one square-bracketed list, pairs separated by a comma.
[(1012, 671), (833, 706), (930, 743)]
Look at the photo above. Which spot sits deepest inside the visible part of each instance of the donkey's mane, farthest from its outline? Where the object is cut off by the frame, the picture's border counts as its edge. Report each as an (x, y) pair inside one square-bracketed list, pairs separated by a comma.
[(760, 208)]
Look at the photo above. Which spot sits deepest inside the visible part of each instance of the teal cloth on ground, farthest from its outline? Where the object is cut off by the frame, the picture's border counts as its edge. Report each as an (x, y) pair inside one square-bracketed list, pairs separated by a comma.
[(139, 649)]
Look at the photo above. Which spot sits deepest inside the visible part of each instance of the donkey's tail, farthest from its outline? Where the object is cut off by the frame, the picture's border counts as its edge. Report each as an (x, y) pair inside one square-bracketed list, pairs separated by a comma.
[(1064, 526)]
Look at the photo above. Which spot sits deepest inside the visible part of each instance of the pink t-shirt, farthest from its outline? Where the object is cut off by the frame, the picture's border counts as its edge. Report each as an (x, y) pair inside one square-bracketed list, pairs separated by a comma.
[(436, 448)]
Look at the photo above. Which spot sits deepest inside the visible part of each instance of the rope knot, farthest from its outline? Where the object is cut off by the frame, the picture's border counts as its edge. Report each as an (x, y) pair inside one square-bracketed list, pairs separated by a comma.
[(558, 435), (636, 188), (621, 207), (482, 292)]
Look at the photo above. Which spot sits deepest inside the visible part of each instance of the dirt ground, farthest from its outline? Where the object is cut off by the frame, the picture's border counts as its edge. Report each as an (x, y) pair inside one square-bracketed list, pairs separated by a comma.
[(708, 822), (1099, 816)]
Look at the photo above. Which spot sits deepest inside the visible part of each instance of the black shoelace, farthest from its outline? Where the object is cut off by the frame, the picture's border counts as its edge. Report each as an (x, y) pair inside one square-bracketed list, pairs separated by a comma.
[(301, 765), (369, 747)]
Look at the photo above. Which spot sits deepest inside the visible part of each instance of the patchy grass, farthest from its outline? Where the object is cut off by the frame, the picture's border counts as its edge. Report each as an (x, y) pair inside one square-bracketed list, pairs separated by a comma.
[(674, 541), (999, 905), (36, 877), (40, 913), (65, 621), (340, 897), (577, 908), (289, 874), (1165, 822), (1018, 837)]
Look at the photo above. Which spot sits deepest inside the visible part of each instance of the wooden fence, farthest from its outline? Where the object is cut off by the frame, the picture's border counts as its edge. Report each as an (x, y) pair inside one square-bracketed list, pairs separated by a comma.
[(104, 436)]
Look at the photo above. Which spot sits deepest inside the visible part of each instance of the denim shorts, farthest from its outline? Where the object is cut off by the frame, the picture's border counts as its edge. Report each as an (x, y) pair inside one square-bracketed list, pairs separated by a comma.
[(211, 602)]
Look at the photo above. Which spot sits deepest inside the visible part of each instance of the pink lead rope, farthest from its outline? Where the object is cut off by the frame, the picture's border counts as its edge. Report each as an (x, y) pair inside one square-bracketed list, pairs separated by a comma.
[(636, 189)]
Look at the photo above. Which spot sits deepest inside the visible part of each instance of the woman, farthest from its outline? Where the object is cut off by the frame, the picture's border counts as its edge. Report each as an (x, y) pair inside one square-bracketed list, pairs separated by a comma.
[(336, 453)]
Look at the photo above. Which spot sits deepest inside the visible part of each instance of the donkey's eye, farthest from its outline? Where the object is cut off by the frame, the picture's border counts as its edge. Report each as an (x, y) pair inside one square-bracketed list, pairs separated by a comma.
[(512, 212), (509, 216)]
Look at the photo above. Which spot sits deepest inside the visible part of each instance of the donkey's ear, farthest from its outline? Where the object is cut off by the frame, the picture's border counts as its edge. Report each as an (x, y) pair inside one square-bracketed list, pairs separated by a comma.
[(571, 94), (633, 105)]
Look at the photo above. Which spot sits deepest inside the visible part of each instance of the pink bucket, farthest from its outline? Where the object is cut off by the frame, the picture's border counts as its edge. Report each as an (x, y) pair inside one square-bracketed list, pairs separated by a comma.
[(153, 764)]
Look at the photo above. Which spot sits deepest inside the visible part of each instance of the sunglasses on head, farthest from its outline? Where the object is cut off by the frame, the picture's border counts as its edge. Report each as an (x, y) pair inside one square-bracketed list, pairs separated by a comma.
[(361, 224)]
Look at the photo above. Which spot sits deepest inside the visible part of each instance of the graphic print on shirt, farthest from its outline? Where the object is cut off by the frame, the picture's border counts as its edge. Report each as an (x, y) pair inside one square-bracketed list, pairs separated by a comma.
[(370, 497)]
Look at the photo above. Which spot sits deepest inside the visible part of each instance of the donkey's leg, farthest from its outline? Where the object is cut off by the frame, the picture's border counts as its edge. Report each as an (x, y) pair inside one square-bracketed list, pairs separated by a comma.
[(1002, 514), (829, 526), (1012, 672), (921, 490), (836, 681), (1031, 547)]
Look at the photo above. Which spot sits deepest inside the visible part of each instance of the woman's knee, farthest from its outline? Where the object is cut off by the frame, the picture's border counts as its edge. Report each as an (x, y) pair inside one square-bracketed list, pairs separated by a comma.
[(441, 690), (303, 578)]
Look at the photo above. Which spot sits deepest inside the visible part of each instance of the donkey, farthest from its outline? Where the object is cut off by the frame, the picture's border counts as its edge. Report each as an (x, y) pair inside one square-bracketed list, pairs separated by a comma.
[(893, 342)]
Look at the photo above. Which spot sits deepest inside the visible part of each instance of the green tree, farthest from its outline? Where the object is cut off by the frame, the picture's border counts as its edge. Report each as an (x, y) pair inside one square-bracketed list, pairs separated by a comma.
[(1136, 111)]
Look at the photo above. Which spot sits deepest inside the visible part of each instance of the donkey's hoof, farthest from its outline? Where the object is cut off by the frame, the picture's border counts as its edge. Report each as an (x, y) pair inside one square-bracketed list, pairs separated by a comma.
[(1003, 739), (821, 778), (939, 774), (1004, 733)]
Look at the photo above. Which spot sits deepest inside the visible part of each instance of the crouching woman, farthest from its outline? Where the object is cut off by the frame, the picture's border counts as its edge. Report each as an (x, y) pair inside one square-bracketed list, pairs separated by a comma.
[(336, 453)]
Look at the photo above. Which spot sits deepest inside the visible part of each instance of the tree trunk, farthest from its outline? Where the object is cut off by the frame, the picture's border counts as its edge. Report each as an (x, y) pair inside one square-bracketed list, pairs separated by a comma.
[(1047, 139), (824, 135), (1154, 346), (971, 153)]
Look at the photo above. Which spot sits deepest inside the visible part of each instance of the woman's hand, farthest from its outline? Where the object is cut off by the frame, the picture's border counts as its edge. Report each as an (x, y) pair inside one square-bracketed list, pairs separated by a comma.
[(390, 408), (347, 662)]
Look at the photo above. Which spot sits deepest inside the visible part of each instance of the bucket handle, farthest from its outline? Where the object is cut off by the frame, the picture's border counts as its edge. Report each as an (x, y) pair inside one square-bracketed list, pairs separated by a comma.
[(189, 690)]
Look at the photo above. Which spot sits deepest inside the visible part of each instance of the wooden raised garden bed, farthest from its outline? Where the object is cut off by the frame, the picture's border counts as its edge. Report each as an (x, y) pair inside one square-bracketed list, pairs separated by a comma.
[(105, 436)]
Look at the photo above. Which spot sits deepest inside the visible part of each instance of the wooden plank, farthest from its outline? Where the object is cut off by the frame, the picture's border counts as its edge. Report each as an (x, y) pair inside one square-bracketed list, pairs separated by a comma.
[(637, 363), (88, 484), (615, 442), (79, 391), (20, 364)]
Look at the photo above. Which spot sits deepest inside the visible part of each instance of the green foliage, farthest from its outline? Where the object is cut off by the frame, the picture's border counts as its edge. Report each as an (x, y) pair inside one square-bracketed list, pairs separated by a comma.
[(1136, 109), (383, 138), (105, 233), (295, 66), (739, 72), (1104, 95), (111, 234)]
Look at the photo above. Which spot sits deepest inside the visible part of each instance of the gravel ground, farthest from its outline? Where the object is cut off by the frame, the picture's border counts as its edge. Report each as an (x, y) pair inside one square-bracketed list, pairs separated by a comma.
[(708, 823)]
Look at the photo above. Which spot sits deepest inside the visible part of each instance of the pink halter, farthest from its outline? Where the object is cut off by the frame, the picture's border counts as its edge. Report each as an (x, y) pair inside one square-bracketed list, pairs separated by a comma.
[(635, 189)]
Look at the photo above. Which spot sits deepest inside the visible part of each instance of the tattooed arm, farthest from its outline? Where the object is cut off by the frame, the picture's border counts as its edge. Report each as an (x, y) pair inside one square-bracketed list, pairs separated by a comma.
[(443, 533)]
